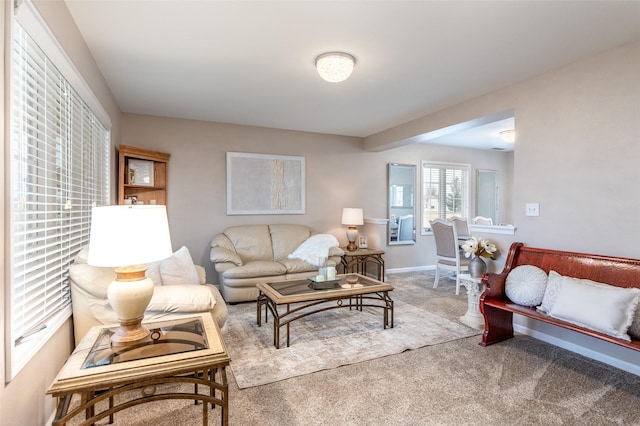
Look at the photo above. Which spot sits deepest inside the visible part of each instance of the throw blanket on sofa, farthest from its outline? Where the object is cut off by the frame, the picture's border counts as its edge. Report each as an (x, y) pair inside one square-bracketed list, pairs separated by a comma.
[(315, 249)]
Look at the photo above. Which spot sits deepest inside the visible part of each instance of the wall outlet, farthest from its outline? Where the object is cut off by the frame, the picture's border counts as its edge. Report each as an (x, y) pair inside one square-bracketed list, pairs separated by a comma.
[(533, 209)]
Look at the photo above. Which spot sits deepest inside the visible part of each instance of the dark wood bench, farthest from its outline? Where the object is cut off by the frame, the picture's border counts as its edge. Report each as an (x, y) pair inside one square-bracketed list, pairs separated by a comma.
[(498, 310)]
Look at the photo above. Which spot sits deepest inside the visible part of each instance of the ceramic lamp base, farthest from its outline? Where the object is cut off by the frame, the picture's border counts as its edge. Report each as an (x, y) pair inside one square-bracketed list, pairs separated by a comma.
[(352, 235), (129, 295)]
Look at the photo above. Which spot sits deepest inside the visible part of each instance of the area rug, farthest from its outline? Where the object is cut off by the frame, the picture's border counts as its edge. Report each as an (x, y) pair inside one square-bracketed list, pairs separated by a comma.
[(328, 340)]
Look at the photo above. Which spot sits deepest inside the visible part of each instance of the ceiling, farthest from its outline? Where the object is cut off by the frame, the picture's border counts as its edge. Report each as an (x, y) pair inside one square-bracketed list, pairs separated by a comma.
[(252, 62)]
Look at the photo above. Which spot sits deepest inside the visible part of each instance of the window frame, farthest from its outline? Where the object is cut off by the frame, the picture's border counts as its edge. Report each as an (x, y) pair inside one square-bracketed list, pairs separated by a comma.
[(79, 140), (465, 198)]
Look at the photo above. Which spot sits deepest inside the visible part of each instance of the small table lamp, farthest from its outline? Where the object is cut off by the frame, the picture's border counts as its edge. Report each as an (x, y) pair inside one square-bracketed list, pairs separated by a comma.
[(352, 217), (125, 237)]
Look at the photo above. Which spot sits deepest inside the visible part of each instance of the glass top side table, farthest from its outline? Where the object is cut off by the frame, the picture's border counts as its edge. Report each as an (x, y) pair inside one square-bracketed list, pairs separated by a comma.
[(355, 262)]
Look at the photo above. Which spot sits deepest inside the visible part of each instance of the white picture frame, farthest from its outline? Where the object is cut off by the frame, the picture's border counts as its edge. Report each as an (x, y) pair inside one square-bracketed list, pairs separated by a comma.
[(362, 241), (265, 184), (140, 173)]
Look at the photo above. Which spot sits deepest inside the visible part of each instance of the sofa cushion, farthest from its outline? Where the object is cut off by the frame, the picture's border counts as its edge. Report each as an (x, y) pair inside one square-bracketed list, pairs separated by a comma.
[(179, 269), (525, 285), (596, 306), (251, 242), (186, 298), (153, 272), (259, 268), (295, 266), (286, 238)]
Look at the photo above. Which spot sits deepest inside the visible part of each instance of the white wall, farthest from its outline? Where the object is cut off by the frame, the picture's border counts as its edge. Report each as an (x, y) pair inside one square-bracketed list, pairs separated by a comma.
[(576, 151), (338, 174)]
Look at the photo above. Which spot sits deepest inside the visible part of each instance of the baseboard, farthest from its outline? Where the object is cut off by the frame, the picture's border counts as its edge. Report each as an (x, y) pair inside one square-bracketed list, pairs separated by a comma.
[(605, 356), (411, 269)]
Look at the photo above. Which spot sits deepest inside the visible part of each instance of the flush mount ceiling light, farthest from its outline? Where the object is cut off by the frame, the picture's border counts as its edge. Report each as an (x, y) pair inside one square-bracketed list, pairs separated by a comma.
[(508, 135), (335, 66)]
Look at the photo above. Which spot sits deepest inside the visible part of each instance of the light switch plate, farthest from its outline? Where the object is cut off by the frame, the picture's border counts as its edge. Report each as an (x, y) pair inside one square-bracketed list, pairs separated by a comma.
[(533, 209)]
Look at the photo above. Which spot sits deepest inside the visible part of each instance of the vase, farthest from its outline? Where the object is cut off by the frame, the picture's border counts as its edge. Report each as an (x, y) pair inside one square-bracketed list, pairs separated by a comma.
[(477, 267)]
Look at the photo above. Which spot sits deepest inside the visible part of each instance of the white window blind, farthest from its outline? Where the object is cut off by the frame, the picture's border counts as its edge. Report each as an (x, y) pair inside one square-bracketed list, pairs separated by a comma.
[(445, 192), (59, 169)]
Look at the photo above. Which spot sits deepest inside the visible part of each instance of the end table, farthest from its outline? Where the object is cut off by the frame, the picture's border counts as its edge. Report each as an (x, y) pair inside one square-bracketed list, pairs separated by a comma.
[(185, 350), (356, 261), (473, 318)]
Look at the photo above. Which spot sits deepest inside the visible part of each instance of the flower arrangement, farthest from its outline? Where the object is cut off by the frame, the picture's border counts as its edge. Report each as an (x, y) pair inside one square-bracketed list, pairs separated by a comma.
[(479, 247)]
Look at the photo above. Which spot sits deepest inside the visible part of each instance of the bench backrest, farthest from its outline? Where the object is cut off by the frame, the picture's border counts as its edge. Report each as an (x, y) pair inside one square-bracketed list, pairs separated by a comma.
[(616, 271)]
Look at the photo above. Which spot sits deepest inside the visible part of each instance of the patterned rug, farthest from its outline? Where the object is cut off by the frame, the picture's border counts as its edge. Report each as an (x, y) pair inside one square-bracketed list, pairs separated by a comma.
[(328, 340)]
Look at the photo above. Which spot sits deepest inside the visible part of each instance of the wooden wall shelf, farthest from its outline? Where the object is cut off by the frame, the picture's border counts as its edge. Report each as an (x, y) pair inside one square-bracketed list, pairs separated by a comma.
[(147, 194)]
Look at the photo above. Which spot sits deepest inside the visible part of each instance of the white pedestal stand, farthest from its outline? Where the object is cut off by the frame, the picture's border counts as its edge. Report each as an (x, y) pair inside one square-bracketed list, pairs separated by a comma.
[(473, 318)]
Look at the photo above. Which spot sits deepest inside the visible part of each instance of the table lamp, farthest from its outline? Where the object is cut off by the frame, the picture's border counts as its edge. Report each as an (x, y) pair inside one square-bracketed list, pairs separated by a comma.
[(125, 237), (352, 218)]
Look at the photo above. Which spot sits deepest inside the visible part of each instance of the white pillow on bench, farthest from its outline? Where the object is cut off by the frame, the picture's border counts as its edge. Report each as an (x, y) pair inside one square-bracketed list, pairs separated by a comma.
[(596, 306), (525, 285)]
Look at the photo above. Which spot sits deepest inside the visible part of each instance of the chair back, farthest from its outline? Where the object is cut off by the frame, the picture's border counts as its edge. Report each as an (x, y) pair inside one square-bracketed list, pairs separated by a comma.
[(446, 238), (481, 220), (462, 227), (405, 228)]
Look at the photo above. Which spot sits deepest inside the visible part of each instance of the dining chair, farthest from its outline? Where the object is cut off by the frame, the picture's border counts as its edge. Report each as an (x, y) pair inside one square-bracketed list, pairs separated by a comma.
[(481, 220), (462, 227), (448, 251), (405, 228)]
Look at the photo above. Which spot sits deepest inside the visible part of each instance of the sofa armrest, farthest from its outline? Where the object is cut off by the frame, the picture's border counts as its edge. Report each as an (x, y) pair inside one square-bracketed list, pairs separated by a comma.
[(222, 255), (336, 252), (202, 274), (92, 280)]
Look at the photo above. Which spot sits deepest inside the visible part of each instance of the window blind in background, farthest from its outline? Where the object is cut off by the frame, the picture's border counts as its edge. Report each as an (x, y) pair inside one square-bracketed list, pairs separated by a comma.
[(59, 169), (445, 192)]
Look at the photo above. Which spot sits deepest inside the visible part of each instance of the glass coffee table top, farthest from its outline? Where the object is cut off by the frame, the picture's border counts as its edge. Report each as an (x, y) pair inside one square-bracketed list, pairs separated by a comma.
[(309, 286), (167, 338)]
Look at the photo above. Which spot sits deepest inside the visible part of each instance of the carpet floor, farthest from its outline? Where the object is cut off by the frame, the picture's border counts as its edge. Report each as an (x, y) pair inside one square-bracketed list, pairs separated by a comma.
[(328, 340), (522, 381)]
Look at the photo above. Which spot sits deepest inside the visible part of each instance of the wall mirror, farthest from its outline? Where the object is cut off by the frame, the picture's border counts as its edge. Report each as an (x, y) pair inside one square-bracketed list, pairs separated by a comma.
[(487, 195), (402, 203)]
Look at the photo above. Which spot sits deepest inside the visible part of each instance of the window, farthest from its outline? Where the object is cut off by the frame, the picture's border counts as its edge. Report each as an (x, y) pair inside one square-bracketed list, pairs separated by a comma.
[(445, 192), (59, 169)]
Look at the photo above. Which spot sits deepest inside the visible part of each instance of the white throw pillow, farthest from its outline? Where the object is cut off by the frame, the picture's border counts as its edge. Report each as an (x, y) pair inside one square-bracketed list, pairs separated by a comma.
[(634, 329), (179, 269), (596, 306), (551, 292), (525, 285)]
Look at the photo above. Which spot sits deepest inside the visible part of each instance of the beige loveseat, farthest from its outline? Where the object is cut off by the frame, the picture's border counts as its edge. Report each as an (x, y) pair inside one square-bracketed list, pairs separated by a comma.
[(180, 290), (246, 255)]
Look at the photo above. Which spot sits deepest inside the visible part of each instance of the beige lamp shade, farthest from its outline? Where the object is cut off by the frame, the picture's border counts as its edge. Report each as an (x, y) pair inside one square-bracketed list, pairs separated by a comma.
[(352, 216)]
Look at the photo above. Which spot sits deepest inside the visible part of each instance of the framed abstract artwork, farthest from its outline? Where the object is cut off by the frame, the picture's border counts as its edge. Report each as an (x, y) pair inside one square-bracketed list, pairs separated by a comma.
[(265, 184)]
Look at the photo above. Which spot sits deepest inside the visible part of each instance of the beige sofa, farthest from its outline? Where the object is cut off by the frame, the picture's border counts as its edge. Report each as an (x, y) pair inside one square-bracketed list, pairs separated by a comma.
[(180, 290), (246, 255)]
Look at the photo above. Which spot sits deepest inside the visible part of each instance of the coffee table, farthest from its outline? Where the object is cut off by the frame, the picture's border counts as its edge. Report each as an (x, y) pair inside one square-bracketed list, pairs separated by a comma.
[(300, 300), (186, 350)]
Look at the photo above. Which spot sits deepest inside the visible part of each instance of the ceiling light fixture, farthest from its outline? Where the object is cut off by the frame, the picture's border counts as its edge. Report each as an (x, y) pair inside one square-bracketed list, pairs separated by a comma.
[(508, 135), (335, 67)]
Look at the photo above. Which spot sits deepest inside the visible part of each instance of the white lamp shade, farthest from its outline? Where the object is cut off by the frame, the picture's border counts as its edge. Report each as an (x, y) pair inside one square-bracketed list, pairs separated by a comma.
[(128, 235), (352, 216)]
